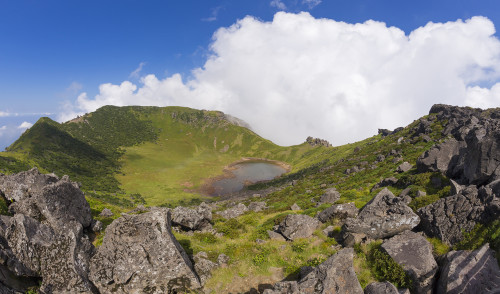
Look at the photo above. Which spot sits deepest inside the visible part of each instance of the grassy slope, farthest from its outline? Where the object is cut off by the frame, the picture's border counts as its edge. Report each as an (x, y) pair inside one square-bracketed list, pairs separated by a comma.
[(128, 155)]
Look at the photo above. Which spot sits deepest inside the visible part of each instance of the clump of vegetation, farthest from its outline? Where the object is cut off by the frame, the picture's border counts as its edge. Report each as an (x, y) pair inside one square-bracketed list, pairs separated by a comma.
[(480, 235), (231, 228)]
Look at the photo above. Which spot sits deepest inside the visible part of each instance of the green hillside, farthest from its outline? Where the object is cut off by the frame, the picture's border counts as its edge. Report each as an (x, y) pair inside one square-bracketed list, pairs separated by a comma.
[(152, 155)]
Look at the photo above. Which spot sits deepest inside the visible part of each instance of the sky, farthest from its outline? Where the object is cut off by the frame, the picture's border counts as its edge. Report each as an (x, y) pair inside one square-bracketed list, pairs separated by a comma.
[(337, 69)]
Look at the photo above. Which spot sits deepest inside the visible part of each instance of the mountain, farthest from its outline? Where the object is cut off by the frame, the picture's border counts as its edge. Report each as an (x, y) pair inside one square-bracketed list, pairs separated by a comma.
[(417, 207), (147, 155)]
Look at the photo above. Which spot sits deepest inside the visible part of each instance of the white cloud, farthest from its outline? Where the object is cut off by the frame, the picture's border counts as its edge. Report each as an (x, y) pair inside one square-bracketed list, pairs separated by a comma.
[(213, 15), (25, 125), (4, 114), (278, 4), (311, 3), (137, 71), (298, 76)]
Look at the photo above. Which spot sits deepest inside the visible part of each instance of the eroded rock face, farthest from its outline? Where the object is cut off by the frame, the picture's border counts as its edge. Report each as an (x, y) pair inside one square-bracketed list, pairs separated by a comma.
[(234, 211), (414, 253), (192, 219), (55, 203), (383, 216), (447, 218), (404, 167), (203, 266), (442, 158), (296, 226), (381, 288), (339, 211), (139, 254), (21, 185), (257, 206), (469, 272), (60, 256), (335, 275), (331, 195)]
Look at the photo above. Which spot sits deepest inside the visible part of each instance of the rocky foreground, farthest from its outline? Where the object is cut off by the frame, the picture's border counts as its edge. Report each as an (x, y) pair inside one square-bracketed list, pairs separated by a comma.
[(46, 241)]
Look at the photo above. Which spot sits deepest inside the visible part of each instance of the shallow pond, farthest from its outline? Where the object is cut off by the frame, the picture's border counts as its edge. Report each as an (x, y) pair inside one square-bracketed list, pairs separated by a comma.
[(245, 173)]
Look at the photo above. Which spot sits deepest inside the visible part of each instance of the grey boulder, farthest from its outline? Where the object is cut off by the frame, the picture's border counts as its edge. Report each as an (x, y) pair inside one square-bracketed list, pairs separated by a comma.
[(331, 195), (296, 226), (234, 211), (414, 253), (383, 216), (381, 288), (21, 185), (442, 158), (404, 167), (192, 219), (469, 272), (257, 206), (140, 254), (338, 211)]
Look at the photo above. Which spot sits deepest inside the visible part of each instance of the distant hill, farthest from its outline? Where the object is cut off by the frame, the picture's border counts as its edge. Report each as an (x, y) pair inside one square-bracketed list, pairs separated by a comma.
[(146, 154)]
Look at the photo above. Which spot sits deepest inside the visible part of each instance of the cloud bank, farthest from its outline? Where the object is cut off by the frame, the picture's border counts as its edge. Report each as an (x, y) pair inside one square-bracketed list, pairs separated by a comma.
[(299, 76)]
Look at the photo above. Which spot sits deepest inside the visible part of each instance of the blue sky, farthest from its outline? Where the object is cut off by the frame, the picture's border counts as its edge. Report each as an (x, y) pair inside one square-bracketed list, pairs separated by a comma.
[(52, 51)]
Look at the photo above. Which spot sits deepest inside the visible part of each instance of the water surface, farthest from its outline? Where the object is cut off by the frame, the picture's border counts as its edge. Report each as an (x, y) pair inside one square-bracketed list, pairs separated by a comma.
[(245, 173)]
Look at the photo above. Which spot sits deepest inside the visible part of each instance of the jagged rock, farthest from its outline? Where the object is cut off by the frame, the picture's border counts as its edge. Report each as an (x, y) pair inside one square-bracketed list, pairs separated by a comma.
[(420, 193), (24, 184), (481, 161), (331, 195), (391, 181), (328, 231), (350, 238), (96, 226), (296, 226), (203, 266), (284, 287), (106, 212), (61, 256), (405, 192), (455, 188), (257, 206), (404, 167), (384, 132), (469, 272), (340, 211), (352, 170), (380, 158), (442, 158), (317, 142), (275, 236), (295, 207), (447, 218), (55, 203), (192, 219), (234, 211), (414, 253), (383, 216), (140, 254), (381, 288), (335, 275), (222, 259)]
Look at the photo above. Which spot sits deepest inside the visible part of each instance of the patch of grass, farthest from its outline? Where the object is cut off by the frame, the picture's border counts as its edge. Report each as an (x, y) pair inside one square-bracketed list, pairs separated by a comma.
[(384, 268), (480, 235), (231, 228), (207, 238), (438, 247)]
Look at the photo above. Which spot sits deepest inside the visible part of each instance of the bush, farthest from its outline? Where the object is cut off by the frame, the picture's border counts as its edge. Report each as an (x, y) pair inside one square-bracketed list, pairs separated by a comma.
[(384, 268), (299, 246), (231, 228), (207, 238)]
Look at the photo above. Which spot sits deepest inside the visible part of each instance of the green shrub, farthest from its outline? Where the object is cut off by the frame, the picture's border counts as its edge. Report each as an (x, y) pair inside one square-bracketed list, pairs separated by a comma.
[(480, 235), (299, 246), (207, 238), (384, 268), (315, 261), (231, 228), (438, 247)]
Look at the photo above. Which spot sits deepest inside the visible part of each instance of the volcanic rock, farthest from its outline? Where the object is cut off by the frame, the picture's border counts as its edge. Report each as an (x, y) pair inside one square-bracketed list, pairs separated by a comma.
[(192, 219), (381, 288), (234, 211), (383, 216), (404, 167), (296, 226), (331, 195), (139, 254), (469, 272), (257, 206), (339, 211), (414, 253)]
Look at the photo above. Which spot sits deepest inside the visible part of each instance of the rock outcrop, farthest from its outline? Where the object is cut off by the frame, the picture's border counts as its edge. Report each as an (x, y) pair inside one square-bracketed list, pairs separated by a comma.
[(21, 185), (414, 253), (192, 219), (139, 254), (381, 288), (335, 275), (296, 226), (383, 216), (234, 211), (469, 272), (331, 195), (257, 206), (449, 217), (338, 211)]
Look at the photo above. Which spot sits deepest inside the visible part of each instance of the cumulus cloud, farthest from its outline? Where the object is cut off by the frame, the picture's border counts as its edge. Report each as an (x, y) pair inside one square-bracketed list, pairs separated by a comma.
[(25, 125), (137, 71), (299, 76), (278, 4)]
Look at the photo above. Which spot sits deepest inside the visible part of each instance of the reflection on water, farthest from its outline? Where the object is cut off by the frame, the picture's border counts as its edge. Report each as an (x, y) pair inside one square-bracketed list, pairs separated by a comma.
[(246, 172)]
